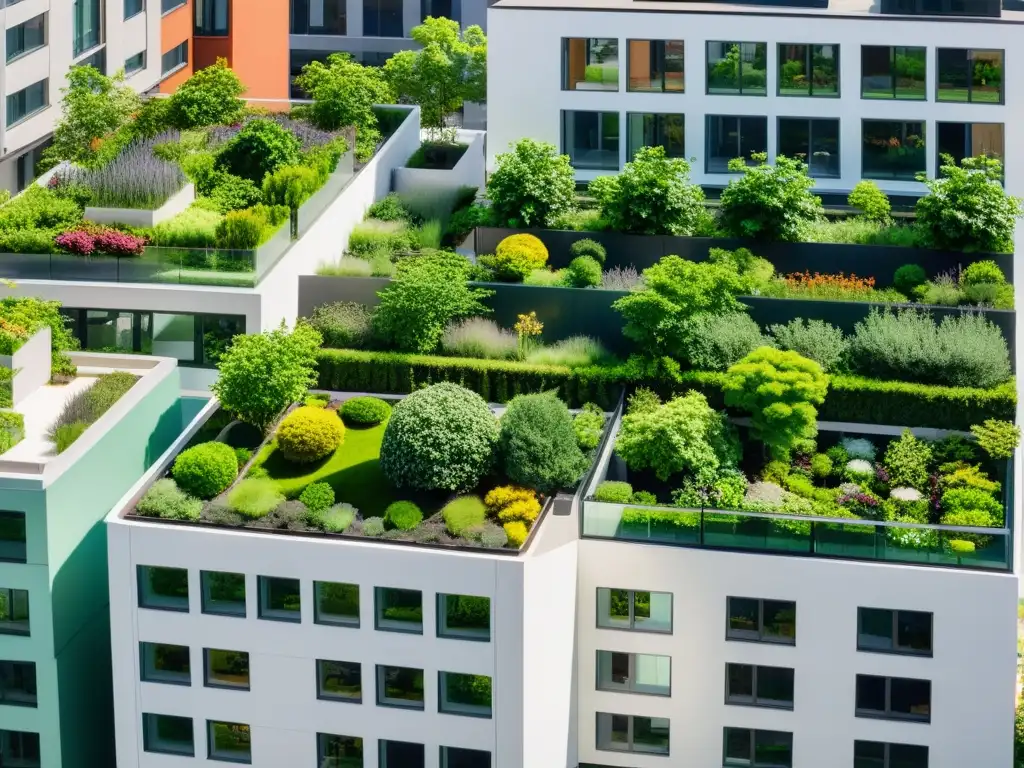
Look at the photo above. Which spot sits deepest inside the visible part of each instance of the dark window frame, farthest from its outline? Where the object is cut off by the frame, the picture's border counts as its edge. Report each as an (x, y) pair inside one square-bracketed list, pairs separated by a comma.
[(210, 610), (80, 43), (25, 112), (893, 52), (590, 43), (968, 136), (376, 29), (210, 742), (399, 625), (321, 746), (144, 646), (904, 135), (178, 55), (810, 142), (19, 30), (658, 117), (129, 63), (210, 682), (739, 71), (629, 687), (267, 613), (658, 50), (205, 18), (630, 743), (569, 145), (970, 52), (133, 8), (328, 696), (15, 518), (752, 762), (809, 67), (753, 700), (380, 673), (482, 755), (888, 713), (631, 598), (319, 617), (149, 722), (894, 637), (26, 672), (141, 570), (7, 625), (744, 636), (442, 679), (886, 749), (473, 636), (739, 139), (166, 6)]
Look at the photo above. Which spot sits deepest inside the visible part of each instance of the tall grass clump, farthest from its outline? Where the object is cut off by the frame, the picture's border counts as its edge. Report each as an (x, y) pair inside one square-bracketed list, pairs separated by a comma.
[(136, 178), (192, 228), (574, 352), (347, 266), (372, 236), (429, 234), (479, 337)]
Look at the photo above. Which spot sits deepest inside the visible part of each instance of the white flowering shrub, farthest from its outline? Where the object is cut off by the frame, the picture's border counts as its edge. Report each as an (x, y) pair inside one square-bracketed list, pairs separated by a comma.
[(905, 494)]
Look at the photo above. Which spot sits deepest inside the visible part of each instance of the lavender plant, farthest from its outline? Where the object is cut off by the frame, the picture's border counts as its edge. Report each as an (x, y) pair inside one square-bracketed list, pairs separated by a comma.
[(133, 179), (308, 134)]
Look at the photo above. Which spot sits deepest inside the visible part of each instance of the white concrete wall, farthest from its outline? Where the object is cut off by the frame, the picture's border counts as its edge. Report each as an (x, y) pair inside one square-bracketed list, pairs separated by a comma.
[(468, 171), (31, 364), (144, 217)]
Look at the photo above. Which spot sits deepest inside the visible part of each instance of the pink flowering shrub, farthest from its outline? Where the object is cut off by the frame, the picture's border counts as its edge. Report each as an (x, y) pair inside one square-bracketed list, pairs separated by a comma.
[(76, 241), (106, 241)]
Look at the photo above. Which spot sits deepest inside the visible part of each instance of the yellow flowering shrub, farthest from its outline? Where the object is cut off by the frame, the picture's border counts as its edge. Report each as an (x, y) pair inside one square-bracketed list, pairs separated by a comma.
[(516, 531)]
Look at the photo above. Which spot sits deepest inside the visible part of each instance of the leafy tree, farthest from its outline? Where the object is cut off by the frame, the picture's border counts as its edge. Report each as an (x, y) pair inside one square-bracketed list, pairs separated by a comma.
[(967, 208), (209, 97), (449, 68), (531, 185), (652, 196), (769, 202), (261, 374)]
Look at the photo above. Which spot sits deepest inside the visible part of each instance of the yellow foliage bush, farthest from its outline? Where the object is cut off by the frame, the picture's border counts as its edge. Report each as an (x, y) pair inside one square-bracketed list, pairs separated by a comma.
[(500, 497), (526, 510), (516, 532), (309, 433), (517, 256)]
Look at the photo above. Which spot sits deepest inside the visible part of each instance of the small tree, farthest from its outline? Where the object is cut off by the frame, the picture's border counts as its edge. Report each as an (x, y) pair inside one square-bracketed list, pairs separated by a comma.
[(652, 196), (449, 69), (769, 202), (209, 97), (967, 208), (780, 390), (261, 374), (531, 185)]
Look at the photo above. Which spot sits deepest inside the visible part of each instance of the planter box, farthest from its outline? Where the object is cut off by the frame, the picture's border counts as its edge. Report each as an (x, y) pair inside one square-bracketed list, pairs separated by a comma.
[(142, 217), (427, 182), (30, 365)]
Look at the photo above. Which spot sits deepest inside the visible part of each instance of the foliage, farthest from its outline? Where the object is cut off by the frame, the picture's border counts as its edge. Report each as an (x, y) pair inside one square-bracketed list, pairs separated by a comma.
[(583, 272), (980, 272), (87, 406), (374, 526), (531, 185), (290, 185), (343, 324), (821, 465), (517, 532), (133, 179), (830, 287), (537, 444), (335, 519), (64, 435), (872, 202), (372, 236), (516, 256), (463, 513), (100, 240), (39, 208), (240, 230), (769, 202), (166, 500), (205, 470), (588, 425), (642, 399), (503, 496), (344, 93), (192, 228), (908, 277), (527, 510), (620, 279), (254, 497), (715, 342), (402, 516), (479, 337), (260, 148), (907, 460), (309, 434), (814, 339), (208, 97), (439, 438), (999, 439), (588, 247), (613, 492), (364, 411), (465, 220), (389, 208), (959, 505), (317, 497)]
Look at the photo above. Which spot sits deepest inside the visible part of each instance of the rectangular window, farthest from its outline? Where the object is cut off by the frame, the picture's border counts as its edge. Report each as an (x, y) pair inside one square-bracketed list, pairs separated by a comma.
[(279, 599), (591, 139), (164, 663), (737, 68), (14, 618), (12, 537), (22, 105), (634, 673), (461, 694), (227, 669), (399, 687), (808, 70), (133, 8), (963, 140), (590, 64), (400, 754), (135, 63), (441, 9), (339, 680), (229, 742), (211, 18), (25, 37), (876, 754), (223, 593), (881, 629), (729, 137), (759, 686), (20, 749), (318, 17), (632, 733), (166, 6), (644, 129), (18, 684), (816, 142), (163, 589), (168, 734), (757, 749), (456, 757), (656, 66), (892, 149), (336, 603), (464, 617), (97, 60), (382, 18), (175, 58), (339, 751), (634, 609), (970, 75), (765, 621), (893, 72), (399, 610), (894, 698), (87, 24)]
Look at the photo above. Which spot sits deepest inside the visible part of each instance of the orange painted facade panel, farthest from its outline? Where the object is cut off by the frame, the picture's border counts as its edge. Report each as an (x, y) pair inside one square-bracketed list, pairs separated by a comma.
[(259, 47), (209, 49), (176, 27)]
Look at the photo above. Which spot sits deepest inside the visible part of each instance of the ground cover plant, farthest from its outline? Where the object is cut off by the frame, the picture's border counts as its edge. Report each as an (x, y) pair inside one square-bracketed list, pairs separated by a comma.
[(85, 407)]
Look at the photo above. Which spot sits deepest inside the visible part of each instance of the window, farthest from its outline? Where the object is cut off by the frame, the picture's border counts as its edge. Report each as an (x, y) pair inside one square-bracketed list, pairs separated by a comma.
[(228, 742), (336, 603), (768, 621), (816, 142), (729, 137), (133, 7), (892, 72), (227, 669), (12, 537), (399, 687), (25, 37), (880, 629), (163, 589), (14, 612), (462, 694), (456, 757), (339, 680), (319, 17), (757, 749), (382, 18), (892, 149), (632, 733), (447, 9), (18, 684), (168, 734), (759, 686), (211, 18), (464, 617), (808, 70), (590, 64), (895, 698), (591, 139), (634, 672), (737, 68), (135, 63), (400, 754), (97, 60), (223, 593), (969, 75), (634, 609), (175, 58), (26, 103), (20, 749), (163, 663), (875, 754), (644, 129), (166, 6), (339, 751), (87, 25), (992, 8), (399, 610), (279, 599), (961, 140), (656, 66)]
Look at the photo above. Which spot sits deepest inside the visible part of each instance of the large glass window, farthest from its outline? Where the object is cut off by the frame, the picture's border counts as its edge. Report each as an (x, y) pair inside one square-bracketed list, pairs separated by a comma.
[(14, 619), (895, 698), (970, 75), (634, 609), (462, 694), (634, 672), (656, 66), (319, 17), (133, 7), (382, 18), (211, 18), (399, 610), (757, 749), (876, 754), (163, 589), (20, 749), (226, 669), (768, 621), (279, 599), (815, 141), (445, 9), (12, 537), (165, 663), (400, 754), (223, 593), (97, 60), (87, 25), (18, 684), (590, 64), (228, 741), (632, 733), (27, 102), (737, 68), (175, 58), (808, 70), (25, 37), (336, 603), (893, 72), (644, 129), (730, 137), (135, 63), (339, 751), (759, 686), (892, 149), (168, 734), (456, 757), (591, 139), (881, 629), (962, 140), (464, 617), (339, 680), (399, 687)]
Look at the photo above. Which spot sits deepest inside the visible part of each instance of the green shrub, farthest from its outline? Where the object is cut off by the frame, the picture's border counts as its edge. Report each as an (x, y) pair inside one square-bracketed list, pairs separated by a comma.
[(364, 411), (516, 256), (166, 500), (715, 342), (373, 526), (317, 496), (208, 97), (999, 439), (613, 492), (907, 461), (643, 497), (465, 220), (12, 429), (261, 147), (588, 425), (206, 470), (821, 465), (39, 208), (309, 434), (583, 272), (769, 202), (335, 519), (255, 497), (588, 247), (531, 185), (347, 266), (290, 185), (344, 324), (242, 457), (193, 228), (231, 193), (986, 271), (537, 444), (872, 202), (402, 516), (463, 513), (814, 339), (64, 435), (240, 230), (962, 504), (908, 277), (389, 208)]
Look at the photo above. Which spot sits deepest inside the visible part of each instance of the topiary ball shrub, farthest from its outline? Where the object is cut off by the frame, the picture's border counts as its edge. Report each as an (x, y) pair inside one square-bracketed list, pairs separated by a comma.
[(439, 438), (255, 497), (517, 256), (983, 272), (165, 499), (538, 445), (583, 272), (463, 513), (588, 247), (206, 469), (402, 516), (364, 411), (614, 492), (261, 147), (908, 277), (308, 434), (317, 496)]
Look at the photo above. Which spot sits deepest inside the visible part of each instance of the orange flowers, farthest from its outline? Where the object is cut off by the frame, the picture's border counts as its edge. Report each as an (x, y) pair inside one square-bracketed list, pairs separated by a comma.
[(805, 282)]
